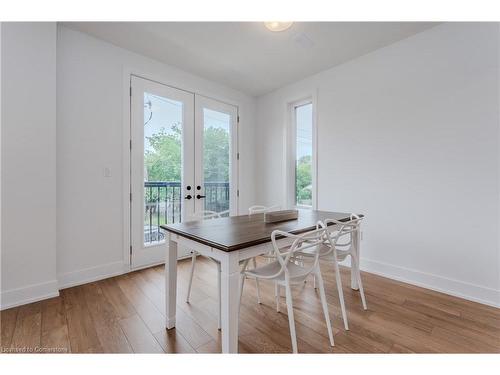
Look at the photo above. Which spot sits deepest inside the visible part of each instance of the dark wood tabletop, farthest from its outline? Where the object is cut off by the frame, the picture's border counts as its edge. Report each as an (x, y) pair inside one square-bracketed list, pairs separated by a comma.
[(238, 232)]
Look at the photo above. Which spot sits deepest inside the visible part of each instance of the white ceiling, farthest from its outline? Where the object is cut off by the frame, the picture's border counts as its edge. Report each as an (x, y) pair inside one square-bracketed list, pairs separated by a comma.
[(245, 55)]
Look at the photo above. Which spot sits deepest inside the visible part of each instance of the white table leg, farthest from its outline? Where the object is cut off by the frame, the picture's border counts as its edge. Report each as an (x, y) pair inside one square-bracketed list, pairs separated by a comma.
[(230, 275), (354, 278), (170, 282)]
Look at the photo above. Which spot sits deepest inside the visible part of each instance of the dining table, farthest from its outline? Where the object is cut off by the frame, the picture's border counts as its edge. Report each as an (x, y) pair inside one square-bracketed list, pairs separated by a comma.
[(231, 240)]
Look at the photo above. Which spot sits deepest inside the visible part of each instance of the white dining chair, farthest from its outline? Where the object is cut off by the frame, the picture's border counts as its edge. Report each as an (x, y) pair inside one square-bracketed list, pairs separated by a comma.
[(206, 215), (339, 246), (352, 228), (258, 209), (285, 272)]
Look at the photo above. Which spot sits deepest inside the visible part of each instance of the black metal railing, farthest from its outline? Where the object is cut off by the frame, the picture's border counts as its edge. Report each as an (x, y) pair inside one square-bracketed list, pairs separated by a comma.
[(217, 196), (163, 204)]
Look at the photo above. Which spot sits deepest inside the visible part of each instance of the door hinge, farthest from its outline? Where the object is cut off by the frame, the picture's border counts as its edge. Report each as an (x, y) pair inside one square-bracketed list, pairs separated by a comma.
[(131, 197), (130, 249), (238, 156), (238, 119), (130, 144), (238, 193), (130, 91)]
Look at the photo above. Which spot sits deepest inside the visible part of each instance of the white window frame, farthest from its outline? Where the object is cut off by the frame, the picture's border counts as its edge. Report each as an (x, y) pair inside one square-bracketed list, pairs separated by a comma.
[(291, 148)]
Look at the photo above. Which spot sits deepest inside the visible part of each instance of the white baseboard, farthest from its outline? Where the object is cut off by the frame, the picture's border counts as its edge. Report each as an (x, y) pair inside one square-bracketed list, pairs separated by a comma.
[(149, 257), (154, 264), (88, 275), (38, 292), (28, 294), (471, 292)]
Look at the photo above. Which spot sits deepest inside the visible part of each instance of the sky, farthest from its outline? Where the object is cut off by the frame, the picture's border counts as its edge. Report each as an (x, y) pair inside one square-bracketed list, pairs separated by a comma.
[(165, 112), (304, 130)]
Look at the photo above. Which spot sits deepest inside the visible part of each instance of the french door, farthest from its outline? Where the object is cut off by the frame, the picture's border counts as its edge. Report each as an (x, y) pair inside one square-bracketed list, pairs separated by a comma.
[(183, 161)]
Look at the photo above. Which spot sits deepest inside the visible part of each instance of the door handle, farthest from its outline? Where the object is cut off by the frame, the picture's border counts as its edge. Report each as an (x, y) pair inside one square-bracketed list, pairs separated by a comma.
[(188, 196), (198, 196)]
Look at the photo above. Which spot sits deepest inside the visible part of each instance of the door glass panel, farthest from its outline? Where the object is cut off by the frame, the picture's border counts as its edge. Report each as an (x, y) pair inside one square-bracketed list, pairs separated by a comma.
[(303, 157), (216, 156), (162, 165)]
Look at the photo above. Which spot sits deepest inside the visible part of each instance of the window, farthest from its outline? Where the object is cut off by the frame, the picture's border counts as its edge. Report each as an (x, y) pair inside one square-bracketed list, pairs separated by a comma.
[(303, 154), (216, 159)]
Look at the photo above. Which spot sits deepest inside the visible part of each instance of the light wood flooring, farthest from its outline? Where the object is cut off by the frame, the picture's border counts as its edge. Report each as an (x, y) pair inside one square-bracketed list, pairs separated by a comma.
[(125, 314)]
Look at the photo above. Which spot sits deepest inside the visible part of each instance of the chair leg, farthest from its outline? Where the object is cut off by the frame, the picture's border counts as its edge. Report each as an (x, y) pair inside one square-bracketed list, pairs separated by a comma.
[(256, 282), (291, 320), (340, 291), (193, 262), (360, 284), (314, 281), (324, 305), (219, 322), (277, 296)]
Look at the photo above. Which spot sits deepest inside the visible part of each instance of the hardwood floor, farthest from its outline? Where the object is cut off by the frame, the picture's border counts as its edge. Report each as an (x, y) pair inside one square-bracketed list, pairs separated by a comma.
[(125, 314)]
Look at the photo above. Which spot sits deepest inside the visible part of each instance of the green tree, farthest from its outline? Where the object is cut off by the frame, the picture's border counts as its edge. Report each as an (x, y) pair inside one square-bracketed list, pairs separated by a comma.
[(303, 174), (163, 161), (216, 155)]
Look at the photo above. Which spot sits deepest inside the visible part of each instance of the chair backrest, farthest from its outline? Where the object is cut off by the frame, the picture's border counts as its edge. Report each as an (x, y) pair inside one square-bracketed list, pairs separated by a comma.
[(298, 243), (225, 213), (262, 209), (340, 233), (204, 215)]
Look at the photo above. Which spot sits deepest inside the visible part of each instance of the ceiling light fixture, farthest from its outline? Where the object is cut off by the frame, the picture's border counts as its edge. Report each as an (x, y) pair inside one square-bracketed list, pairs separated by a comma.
[(278, 26)]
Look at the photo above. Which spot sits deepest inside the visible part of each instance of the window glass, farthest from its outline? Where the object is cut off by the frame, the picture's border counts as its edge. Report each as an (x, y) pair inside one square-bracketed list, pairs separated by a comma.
[(216, 158), (162, 165), (303, 156)]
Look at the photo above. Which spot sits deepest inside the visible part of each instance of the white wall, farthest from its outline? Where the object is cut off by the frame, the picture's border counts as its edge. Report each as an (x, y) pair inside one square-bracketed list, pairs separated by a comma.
[(90, 126), (28, 93), (1, 164), (409, 136)]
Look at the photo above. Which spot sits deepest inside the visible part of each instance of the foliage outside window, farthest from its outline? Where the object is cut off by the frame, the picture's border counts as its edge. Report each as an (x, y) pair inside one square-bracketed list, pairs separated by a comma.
[(163, 160), (304, 181)]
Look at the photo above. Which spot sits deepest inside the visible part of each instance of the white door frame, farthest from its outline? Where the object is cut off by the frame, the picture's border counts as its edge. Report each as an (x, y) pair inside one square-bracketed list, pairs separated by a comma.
[(128, 72), (141, 254)]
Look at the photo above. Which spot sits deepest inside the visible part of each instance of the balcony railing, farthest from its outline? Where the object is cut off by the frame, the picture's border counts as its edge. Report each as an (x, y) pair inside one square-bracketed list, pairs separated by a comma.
[(163, 204), (217, 196)]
